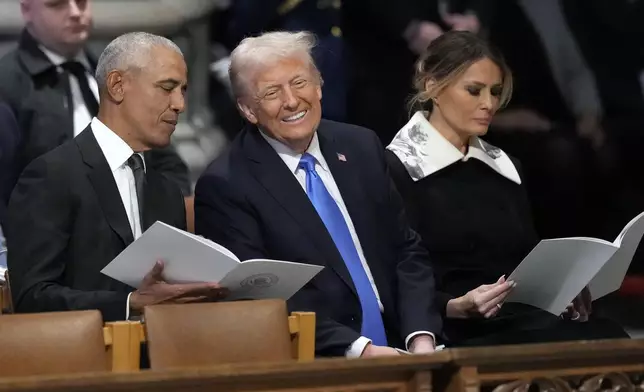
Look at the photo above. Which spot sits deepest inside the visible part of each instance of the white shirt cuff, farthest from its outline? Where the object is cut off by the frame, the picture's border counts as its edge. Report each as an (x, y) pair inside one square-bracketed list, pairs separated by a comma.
[(414, 334), (356, 348), (127, 309)]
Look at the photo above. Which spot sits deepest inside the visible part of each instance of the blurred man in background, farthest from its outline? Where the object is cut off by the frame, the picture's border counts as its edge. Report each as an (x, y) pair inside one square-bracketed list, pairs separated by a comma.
[(49, 84)]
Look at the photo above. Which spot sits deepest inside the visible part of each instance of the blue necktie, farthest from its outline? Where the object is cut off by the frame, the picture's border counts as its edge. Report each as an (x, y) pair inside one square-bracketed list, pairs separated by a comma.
[(372, 325)]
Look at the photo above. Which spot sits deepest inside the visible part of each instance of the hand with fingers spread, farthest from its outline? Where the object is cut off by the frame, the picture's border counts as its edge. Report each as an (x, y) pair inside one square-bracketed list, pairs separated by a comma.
[(580, 308), (483, 301), (155, 290)]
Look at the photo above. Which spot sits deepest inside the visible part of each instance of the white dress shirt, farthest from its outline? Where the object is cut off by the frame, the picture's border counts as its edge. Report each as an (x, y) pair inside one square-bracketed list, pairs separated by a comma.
[(117, 152), (82, 116), (292, 161)]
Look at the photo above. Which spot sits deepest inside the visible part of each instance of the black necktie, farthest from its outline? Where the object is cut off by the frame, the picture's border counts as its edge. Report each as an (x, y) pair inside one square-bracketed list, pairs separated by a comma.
[(78, 70), (136, 164)]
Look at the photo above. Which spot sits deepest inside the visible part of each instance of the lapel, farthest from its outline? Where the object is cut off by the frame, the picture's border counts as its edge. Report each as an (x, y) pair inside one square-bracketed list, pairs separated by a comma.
[(345, 168), (102, 180), (155, 205), (269, 169)]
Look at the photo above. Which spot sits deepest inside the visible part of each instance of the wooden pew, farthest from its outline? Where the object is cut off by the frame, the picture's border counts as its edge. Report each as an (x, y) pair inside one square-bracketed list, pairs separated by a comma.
[(405, 373), (555, 367), (573, 366), (123, 341), (6, 304)]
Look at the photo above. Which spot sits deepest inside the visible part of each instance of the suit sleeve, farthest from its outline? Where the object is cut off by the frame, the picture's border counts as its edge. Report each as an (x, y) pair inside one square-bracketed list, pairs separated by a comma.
[(226, 217), (168, 162), (41, 214), (416, 287)]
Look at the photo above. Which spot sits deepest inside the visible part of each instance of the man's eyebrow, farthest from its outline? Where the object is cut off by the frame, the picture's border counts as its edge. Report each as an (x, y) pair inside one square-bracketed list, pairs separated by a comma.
[(173, 82), (169, 81)]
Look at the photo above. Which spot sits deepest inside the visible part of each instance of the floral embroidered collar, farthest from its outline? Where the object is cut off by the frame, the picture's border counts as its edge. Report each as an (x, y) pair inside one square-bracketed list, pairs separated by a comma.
[(424, 151)]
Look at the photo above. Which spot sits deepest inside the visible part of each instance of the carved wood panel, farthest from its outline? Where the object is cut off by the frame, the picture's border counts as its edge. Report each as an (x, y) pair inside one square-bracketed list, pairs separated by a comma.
[(610, 382)]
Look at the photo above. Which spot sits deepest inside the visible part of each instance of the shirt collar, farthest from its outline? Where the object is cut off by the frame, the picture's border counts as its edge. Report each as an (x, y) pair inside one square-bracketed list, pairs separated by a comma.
[(424, 151), (115, 149), (58, 60), (292, 158)]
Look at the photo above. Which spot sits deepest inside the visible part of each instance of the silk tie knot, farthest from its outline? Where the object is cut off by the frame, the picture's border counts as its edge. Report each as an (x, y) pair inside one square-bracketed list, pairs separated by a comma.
[(307, 162)]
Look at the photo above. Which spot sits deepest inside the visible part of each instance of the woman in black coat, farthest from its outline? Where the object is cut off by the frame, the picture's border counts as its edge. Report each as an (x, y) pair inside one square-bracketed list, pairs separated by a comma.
[(467, 200)]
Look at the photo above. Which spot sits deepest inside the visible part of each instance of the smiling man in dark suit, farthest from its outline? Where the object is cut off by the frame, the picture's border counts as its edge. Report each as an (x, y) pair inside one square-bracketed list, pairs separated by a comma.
[(77, 207), (295, 187)]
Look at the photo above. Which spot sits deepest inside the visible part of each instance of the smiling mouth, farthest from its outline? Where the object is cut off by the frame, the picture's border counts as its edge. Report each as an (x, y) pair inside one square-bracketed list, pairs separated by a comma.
[(296, 117)]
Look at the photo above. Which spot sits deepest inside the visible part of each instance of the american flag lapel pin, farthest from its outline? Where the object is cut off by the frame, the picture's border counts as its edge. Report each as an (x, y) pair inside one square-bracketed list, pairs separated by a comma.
[(341, 157)]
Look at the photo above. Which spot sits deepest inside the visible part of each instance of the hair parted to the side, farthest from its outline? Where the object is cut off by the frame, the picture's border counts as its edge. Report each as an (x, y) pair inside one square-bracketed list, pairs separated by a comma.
[(129, 51), (447, 58), (265, 49)]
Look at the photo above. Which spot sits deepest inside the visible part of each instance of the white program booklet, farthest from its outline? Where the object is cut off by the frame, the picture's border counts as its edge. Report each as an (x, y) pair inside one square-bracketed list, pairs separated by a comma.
[(557, 270), (190, 258)]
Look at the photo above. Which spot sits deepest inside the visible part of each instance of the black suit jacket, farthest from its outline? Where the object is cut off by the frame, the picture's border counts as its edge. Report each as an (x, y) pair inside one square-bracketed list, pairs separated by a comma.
[(250, 202), (9, 135), (67, 221), (38, 96)]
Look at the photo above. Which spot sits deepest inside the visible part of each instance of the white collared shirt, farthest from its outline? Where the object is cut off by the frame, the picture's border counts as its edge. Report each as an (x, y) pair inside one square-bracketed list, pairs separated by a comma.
[(117, 152), (424, 151), (292, 161), (82, 116)]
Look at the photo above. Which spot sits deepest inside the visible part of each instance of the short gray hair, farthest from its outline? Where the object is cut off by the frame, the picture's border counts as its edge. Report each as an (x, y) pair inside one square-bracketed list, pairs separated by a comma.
[(128, 51), (265, 49)]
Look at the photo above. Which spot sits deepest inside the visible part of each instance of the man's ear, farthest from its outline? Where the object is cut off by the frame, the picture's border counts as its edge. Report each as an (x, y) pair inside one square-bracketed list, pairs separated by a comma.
[(115, 86), (25, 10), (247, 112)]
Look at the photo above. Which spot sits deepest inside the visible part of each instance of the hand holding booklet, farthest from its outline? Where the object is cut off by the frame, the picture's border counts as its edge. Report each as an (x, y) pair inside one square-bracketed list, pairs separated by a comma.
[(556, 270), (189, 258)]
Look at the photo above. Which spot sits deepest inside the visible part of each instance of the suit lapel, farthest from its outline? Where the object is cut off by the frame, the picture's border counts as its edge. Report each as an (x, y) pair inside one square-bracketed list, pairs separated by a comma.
[(155, 206), (344, 167), (281, 184), (102, 180)]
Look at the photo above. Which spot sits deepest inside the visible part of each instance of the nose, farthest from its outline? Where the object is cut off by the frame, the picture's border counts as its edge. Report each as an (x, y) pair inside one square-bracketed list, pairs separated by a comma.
[(290, 100), (487, 101), (178, 102), (74, 9)]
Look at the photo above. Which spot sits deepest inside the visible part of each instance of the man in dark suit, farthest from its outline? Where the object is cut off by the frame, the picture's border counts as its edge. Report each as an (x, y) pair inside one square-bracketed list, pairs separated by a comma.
[(297, 188), (9, 135), (78, 206), (48, 82)]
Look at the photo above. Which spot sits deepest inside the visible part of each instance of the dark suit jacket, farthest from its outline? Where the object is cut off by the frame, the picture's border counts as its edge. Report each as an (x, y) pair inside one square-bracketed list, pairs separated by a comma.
[(250, 202), (38, 96), (67, 221), (9, 135)]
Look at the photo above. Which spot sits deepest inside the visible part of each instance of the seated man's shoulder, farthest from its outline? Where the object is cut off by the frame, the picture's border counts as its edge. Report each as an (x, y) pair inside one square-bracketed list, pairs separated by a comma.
[(61, 161), (358, 141), (346, 131)]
